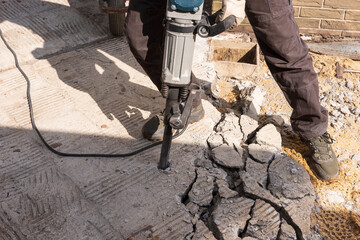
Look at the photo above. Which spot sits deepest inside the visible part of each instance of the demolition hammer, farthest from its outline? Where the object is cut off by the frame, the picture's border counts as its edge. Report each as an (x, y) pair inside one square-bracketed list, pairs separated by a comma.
[(184, 20)]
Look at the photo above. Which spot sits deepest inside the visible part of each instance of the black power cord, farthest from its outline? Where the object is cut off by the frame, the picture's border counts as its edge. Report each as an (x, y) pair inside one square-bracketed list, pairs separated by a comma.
[(28, 95)]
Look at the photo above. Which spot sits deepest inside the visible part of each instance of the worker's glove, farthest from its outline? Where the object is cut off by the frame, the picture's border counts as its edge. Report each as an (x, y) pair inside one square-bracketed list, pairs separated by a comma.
[(232, 7)]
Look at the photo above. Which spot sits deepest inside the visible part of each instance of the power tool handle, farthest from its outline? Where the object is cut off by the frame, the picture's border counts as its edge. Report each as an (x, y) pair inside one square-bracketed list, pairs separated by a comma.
[(208, 28), (222, 26)]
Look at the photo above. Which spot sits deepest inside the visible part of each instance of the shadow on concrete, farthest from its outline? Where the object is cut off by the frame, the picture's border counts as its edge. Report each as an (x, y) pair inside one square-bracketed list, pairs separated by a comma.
[(109, 86), (41, 194)]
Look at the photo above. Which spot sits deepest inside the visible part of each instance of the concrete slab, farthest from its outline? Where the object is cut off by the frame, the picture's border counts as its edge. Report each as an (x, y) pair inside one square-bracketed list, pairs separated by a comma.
[(35, 29), (93, 99), (89, 95)]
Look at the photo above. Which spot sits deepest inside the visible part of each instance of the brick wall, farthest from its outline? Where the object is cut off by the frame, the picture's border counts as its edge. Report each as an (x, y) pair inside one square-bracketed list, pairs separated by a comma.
[(327, 17)]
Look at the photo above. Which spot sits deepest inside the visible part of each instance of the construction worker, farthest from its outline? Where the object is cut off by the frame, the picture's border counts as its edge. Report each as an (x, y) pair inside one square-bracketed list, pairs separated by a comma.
[(285, 54)]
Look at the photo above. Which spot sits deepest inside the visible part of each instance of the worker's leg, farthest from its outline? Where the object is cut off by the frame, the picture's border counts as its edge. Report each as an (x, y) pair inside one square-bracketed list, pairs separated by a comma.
[(289, 62), (145, 32), (291, 65)]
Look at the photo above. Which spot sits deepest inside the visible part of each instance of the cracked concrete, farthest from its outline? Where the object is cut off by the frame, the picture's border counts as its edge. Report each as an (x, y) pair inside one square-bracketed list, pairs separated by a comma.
[(230, 217), (228, 156), (277, 190), (264, 223)]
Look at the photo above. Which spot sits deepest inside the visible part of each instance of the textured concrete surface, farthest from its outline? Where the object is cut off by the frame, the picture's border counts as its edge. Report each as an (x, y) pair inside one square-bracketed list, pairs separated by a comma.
[(89, 96)]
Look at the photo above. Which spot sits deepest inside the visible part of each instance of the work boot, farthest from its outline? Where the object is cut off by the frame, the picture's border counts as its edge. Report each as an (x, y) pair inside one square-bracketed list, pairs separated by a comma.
[(322, 160), (153, 129)]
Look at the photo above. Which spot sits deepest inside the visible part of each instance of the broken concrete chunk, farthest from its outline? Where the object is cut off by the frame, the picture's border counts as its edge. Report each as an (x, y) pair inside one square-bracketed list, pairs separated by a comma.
[(230, 217), (269, 135), (202, 232), (224, 190), (218, 173), (201, 192), (251, 100), (290, 182), (264, 223), (248, 125), (252, 188), (228, 157), (262, 153), (203, 163), (215, 140), (230, 122), (289, 179), (233, 138), (300, 212), (230, 131), (287, 232), (258, 171), (192, 207), (277, 120)]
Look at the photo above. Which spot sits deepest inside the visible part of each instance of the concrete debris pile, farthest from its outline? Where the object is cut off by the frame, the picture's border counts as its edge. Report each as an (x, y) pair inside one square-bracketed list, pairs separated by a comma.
[(247, 188), (343, 104), (249, 96)]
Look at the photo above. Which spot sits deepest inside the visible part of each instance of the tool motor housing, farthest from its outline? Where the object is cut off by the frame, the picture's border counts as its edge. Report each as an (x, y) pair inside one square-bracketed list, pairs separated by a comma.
[(182, 17)]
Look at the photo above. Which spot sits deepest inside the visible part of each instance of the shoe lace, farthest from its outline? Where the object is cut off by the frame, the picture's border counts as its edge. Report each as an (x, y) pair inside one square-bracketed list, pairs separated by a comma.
[(323, 138), (327, 138)]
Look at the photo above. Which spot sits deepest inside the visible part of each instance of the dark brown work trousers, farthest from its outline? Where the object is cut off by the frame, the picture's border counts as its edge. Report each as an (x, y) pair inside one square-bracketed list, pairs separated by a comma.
[(278, 36)]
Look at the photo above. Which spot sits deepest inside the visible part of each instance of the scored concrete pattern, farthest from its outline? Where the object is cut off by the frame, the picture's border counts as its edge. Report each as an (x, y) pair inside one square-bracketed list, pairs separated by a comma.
[(39, 197), (39, 28), (89, 95)]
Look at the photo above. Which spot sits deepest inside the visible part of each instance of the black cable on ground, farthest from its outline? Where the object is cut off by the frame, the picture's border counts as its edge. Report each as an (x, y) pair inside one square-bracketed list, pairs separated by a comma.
[(28, 95)]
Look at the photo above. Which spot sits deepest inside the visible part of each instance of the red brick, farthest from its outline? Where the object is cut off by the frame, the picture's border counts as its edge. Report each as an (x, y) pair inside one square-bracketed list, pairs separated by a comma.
[(352, 15), (322, 13), (323, 32), (350, 4), (308, 3), (351, 34), (307, 22), (340, 25)]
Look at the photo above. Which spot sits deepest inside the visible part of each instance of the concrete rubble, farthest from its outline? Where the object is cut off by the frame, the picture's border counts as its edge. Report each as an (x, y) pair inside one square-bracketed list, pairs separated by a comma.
[(230, 217), (343, 104), (262, 153), (265, 222), (268, 135), (227, 156), (277, 190), (251, 99), (248, 125)]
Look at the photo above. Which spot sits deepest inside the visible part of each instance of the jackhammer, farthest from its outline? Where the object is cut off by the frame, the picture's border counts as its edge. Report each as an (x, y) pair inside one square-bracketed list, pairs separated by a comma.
[(184, 20)]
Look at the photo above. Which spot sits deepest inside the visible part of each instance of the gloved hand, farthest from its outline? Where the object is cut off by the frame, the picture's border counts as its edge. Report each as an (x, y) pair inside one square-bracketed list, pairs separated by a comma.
[(232, 7)]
